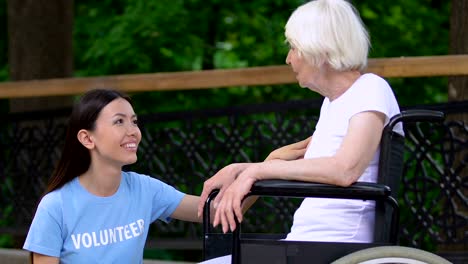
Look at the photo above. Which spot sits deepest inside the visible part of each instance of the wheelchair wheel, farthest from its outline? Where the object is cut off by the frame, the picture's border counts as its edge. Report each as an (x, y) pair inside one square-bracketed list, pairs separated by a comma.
[(391, 254)]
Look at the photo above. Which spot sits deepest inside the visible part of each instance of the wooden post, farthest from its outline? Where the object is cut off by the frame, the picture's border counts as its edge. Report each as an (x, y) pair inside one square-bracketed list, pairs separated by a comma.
[(458, 91), (40, 46)]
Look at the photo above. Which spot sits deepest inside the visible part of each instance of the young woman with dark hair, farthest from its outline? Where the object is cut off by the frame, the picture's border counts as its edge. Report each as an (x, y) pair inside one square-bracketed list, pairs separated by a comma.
[(93, 212)]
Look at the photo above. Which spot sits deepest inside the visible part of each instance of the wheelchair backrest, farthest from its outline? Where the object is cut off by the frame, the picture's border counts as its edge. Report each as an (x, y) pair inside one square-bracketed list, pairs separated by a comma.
[(390, 172), (392, 148)]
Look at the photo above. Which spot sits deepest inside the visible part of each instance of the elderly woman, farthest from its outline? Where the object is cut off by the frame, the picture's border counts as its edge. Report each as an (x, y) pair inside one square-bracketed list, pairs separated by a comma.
[(328, 53)]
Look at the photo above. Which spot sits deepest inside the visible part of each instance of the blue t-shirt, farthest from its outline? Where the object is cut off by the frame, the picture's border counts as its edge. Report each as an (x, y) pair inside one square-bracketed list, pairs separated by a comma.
[(79, 227)]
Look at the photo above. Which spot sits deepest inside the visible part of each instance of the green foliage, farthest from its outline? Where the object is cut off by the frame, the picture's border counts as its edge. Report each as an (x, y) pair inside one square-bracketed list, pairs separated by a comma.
[(409, 28), (122, 37), (136, 36), (406, 28), (6, 240)]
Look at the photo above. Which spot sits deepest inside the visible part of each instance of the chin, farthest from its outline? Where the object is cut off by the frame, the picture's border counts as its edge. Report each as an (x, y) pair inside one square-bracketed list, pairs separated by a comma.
[(131, 161)]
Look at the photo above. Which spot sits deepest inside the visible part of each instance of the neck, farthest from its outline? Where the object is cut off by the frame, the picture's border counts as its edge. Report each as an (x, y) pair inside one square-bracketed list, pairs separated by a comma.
[(101, 181), (339, 82)]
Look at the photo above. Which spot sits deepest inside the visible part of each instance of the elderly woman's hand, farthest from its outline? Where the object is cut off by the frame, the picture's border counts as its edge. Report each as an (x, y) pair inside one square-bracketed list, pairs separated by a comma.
[(231, 203), (221, 180)]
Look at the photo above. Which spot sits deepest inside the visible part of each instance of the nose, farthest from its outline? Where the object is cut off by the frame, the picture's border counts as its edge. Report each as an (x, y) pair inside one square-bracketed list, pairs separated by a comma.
[(288, 58), (133, 129)]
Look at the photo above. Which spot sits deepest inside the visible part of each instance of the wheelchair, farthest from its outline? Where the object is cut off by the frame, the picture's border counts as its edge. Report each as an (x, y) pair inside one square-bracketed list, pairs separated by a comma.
[(248, 248)]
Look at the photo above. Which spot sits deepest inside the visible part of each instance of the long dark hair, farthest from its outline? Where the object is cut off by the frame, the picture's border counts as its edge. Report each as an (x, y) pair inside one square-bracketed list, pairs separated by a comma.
[(75, 158)]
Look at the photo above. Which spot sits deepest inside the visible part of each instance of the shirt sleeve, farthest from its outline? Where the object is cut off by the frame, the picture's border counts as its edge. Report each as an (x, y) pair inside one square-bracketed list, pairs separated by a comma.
[(165, 199), (45, 233), (375, 94)]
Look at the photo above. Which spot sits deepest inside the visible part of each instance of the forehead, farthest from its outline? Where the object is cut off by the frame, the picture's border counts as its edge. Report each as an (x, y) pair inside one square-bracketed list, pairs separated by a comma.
[(117, 106)]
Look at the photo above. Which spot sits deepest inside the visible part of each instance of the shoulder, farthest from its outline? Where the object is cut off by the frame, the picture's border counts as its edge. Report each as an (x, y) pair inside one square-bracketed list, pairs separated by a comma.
[(371, 88), (51, 205), (134, 176), (52, 199), (372, 77), (147, 186), (140, 181), (372, 82)]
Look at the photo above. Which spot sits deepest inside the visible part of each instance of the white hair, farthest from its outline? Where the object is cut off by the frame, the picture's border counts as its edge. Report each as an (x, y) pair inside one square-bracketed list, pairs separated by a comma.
[(329, 31)]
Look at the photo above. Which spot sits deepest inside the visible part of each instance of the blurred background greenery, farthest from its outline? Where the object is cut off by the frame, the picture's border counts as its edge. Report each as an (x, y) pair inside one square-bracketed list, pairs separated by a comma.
[(112, 37), (136, 36)]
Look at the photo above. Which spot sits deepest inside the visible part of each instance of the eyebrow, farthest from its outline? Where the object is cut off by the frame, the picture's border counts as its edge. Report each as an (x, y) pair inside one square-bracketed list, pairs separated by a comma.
[(124, 115)]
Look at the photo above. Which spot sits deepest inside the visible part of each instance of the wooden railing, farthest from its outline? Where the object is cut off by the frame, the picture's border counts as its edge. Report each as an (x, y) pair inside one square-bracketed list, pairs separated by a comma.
[(427, 66)]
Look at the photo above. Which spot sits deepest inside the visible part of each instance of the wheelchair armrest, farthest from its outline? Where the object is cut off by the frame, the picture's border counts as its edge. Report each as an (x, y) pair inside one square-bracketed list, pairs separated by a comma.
[(416, 115), (358, 190)]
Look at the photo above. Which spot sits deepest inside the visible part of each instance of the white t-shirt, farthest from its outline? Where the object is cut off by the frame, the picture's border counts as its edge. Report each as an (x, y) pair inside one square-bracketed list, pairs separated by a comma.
[(79, 227), (320, 219)]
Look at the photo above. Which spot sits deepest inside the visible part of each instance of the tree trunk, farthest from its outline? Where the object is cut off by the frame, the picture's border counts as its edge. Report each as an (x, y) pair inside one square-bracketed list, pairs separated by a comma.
[(458, 86), (211, 36), (40, 46), (458, 91)]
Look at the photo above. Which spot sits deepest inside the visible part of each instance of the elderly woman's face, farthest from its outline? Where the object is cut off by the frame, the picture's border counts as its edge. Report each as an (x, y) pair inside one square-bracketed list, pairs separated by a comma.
[(306, 74)]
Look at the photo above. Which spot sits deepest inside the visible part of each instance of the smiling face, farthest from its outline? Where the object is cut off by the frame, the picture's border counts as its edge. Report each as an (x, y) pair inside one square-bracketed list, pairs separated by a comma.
[(116, 135)]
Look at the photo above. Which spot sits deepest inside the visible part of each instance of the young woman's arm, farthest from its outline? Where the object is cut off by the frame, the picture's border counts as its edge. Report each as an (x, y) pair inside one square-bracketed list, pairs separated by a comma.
[(43, 259), (187, 209)]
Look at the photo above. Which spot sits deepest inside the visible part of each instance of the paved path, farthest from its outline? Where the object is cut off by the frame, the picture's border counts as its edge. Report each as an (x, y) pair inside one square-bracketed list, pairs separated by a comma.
[(18, 256)]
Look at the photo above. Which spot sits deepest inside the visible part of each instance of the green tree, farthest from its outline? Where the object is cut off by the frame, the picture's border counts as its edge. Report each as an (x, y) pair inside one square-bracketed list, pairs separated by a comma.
[(122, 37)]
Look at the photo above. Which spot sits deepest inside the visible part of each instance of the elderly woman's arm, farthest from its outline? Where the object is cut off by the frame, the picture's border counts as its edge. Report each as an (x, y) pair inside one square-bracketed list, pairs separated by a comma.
[(290, 152), (344, 168)]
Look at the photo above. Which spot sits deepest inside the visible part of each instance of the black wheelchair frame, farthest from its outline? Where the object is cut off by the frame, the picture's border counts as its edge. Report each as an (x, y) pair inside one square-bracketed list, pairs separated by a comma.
[(269, 248)]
